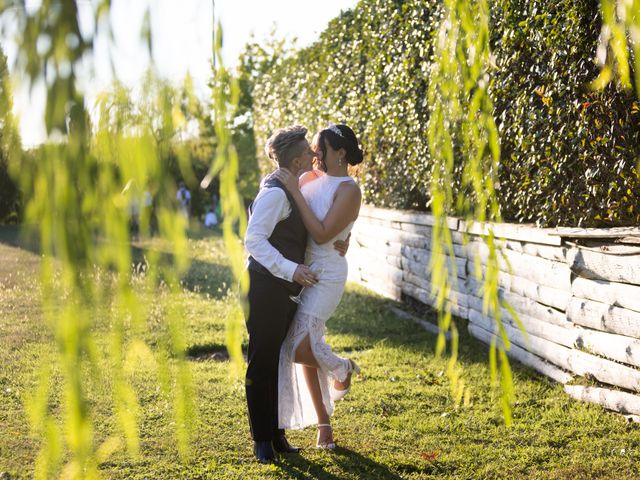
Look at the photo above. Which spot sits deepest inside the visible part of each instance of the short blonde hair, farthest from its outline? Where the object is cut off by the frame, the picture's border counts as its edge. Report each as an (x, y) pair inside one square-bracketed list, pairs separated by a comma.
[(284, 145)]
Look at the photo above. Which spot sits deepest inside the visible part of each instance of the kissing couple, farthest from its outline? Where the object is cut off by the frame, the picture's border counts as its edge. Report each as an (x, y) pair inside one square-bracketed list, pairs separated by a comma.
[(297, 237)]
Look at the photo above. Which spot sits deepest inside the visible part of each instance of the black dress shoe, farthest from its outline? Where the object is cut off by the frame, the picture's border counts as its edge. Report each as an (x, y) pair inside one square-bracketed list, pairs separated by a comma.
[(264, 452), (281, 445)]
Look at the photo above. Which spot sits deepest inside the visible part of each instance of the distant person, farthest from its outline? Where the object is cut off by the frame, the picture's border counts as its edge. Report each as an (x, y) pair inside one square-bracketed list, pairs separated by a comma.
[(134, 218), (148, 211), (133, 208), (183, 195), (147, 200), (210, 219), (218, 209)]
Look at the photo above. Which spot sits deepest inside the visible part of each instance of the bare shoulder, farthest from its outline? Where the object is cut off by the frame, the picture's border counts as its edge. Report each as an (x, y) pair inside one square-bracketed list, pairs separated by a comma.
[(310, 176), (349, 190), (349, 197)]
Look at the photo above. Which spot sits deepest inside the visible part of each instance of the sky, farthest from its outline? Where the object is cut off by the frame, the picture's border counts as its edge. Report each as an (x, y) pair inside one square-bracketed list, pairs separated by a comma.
[(182, 33)]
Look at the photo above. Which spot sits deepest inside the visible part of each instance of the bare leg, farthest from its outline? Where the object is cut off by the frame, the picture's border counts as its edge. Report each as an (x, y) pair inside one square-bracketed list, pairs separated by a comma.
[(304, 354), (325, 434), (311, 376)]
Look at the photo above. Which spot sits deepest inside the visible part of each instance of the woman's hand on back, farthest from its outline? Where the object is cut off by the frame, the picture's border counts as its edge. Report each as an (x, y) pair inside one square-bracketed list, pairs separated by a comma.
[(288, 179)]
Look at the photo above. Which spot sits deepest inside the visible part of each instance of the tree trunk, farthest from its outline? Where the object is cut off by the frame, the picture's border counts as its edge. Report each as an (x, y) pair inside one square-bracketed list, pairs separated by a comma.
[(621, 402), (604, 317)]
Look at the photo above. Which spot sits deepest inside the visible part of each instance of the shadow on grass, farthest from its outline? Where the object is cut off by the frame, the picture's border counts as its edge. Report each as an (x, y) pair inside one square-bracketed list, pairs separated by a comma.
[(366, 321), (16, 236), (216, 352), (348, 460), (206, 278), (361, 315)]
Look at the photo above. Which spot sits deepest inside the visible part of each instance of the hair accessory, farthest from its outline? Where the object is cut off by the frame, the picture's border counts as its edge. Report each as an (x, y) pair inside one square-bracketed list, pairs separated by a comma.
[(334, 128)]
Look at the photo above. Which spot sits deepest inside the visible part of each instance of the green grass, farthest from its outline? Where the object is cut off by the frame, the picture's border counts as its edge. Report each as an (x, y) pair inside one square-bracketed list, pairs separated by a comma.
[(398, 422)]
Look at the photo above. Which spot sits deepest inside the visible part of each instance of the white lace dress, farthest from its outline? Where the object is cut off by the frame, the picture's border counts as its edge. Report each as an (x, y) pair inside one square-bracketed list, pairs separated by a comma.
[(295, 408)]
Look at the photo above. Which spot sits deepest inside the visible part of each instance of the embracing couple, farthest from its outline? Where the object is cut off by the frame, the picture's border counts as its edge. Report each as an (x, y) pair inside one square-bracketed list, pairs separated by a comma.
[(297, 237)]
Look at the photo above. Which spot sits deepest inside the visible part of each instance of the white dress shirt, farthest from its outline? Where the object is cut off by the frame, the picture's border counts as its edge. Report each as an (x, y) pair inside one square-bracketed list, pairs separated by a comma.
[(270, 207)]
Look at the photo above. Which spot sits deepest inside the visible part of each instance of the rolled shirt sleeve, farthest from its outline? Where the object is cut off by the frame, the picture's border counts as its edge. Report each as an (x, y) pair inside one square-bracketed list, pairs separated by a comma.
[(269, 208)]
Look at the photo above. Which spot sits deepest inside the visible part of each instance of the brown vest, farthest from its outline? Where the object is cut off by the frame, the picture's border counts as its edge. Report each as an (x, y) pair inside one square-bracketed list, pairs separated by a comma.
[(289, 237)]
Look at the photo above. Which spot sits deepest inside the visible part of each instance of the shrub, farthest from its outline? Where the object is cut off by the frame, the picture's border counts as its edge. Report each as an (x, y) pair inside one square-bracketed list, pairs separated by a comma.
[(569, 155)]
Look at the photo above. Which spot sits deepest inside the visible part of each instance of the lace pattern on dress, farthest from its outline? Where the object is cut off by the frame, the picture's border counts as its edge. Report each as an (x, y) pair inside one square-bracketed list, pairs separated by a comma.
[(295, 407)]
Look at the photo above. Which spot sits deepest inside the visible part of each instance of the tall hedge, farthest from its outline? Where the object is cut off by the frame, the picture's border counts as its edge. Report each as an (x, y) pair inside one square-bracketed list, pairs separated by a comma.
[(569, 155)]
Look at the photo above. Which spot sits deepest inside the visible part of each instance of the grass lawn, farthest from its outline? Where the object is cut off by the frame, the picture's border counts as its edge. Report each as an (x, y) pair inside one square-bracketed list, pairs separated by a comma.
[(399, 421)]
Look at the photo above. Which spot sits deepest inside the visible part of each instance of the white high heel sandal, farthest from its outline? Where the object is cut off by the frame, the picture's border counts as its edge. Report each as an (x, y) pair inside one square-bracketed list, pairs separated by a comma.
[(325, 445), (339, 394)]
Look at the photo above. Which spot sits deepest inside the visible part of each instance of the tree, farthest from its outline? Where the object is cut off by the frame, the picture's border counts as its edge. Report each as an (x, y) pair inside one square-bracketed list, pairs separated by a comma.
[(78, 206), (254, 61), (178, 124), (10, 149)]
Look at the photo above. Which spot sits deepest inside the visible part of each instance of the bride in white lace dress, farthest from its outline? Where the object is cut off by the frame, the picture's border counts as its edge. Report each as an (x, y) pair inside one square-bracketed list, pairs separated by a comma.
[(311, 377)]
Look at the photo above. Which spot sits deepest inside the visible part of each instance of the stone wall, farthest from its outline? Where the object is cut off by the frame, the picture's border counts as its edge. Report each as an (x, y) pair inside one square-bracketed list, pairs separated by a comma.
[(576, 292)]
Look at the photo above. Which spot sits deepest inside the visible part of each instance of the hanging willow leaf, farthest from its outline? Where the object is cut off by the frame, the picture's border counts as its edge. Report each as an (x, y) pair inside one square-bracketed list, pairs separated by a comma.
[(80, 193), (462, 131), (226, 95), (619, 42)]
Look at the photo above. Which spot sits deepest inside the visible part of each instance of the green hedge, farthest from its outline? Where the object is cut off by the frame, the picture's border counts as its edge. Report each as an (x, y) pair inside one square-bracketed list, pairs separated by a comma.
[(569, 155)]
